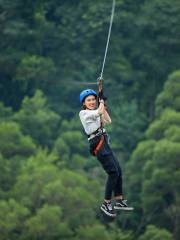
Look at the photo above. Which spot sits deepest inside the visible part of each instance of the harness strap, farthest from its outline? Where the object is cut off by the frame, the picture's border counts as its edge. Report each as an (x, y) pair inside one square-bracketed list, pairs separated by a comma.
[(97, 148), (95, 132), (98, 132)]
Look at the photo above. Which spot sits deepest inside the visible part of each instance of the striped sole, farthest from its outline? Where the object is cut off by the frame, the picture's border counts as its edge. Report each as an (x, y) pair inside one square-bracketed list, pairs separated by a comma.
[(124, 208), (107, 213)]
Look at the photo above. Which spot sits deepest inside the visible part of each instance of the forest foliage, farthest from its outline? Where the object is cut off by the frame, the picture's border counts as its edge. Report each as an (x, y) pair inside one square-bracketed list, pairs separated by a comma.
[(50, 186)]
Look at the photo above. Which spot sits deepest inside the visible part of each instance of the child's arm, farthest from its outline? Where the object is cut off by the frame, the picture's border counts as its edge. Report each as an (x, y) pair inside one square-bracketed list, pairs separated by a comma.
[(107, 117), (101, 108)]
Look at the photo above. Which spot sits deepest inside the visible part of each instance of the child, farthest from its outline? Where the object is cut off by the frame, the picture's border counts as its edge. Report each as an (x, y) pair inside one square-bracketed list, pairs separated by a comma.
[(99, 147)]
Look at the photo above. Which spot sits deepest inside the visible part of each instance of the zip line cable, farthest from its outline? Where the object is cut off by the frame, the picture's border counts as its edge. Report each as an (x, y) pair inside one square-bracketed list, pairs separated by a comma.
[(100, 85), (106, 49), (108, 38)]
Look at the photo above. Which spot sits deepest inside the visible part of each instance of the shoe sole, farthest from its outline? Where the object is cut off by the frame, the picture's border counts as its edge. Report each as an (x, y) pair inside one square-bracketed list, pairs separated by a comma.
[(124, 208), (107, 213)]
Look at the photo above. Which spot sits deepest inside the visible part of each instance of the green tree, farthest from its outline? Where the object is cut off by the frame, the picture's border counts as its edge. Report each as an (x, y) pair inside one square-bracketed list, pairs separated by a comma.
[(37, 120), (155, 233), (35, 72), (5, 112), (15, 147), (12, 218), (41, 182), (153, 46), (127, 128), (36, 173), (155, 191), (98, 231), (47, 224), (13, 142), (70, 147), (169, 97)]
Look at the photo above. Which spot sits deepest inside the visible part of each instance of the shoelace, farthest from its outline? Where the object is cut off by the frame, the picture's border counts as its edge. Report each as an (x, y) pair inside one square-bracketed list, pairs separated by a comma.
[(109, 206), (124, 201)]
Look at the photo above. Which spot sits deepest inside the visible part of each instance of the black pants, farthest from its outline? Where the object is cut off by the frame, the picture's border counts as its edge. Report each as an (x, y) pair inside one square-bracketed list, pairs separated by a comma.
[(111, 167)]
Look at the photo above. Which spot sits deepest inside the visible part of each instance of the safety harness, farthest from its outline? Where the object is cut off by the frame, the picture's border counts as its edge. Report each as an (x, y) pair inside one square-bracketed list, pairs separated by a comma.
[(98, 133)]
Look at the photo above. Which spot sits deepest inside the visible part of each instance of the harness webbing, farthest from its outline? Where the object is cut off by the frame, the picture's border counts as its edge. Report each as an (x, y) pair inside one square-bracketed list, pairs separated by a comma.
[(108, 38), (99, 145)]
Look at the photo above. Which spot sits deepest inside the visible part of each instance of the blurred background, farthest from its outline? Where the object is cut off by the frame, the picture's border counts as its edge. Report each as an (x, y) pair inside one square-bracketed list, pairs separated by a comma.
[(50, 187)]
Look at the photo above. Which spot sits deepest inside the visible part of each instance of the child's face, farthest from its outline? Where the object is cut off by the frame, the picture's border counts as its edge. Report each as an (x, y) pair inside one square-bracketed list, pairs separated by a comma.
[(90, 102)]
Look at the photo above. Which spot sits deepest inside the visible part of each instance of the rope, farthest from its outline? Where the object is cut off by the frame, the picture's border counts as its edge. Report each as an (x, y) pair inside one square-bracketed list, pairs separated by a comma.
[(108, 38), (105, 55)]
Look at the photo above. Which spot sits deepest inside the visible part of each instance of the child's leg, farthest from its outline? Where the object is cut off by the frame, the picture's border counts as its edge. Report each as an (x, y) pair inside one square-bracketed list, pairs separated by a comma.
[(118, 192), (118, 189), (110, 168), (108, 190)]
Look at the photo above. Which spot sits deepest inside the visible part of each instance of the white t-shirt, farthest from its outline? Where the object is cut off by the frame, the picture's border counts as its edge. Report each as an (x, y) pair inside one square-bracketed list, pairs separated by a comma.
[(90, 120)]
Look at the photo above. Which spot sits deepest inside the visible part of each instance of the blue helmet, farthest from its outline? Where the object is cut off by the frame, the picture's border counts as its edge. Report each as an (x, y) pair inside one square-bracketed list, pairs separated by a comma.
[(86, 93)]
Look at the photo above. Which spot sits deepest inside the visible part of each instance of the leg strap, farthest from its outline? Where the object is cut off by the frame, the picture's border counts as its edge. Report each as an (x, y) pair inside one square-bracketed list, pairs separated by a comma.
[(98, 146)]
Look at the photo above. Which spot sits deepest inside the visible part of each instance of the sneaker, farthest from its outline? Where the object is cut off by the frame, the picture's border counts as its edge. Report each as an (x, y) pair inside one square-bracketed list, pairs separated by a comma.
[(122, 204), (108, 209)]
